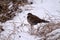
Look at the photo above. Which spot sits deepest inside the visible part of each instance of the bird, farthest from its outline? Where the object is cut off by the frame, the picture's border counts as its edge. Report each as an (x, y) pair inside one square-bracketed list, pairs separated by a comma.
[(33, 19)]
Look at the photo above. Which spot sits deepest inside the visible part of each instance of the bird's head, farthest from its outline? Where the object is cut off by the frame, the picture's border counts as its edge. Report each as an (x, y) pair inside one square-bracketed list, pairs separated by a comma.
[(29, 14)]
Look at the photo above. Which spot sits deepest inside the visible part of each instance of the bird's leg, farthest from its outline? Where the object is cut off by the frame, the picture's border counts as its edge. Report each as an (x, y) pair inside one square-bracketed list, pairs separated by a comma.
[(31, 29)]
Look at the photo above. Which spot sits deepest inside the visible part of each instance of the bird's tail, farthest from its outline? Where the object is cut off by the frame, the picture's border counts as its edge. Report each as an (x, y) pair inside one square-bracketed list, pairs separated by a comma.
[(45, 21)]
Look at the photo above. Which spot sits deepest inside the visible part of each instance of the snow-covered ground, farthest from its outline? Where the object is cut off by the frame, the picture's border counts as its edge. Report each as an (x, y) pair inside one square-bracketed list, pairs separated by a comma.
[(17, 29)]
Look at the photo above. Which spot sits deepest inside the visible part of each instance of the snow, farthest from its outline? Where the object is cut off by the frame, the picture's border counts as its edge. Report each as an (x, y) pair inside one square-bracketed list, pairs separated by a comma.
[(54, 34), (38, 8)]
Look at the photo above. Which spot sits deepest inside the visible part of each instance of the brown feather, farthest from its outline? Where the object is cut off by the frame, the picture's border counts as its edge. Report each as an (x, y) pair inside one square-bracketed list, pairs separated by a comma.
[(33, 20)]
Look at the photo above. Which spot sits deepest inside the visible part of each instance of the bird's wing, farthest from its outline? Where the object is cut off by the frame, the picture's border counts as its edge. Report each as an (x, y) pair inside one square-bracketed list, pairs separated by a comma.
[(35, 19)]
